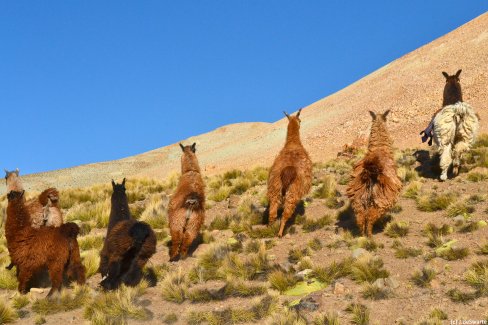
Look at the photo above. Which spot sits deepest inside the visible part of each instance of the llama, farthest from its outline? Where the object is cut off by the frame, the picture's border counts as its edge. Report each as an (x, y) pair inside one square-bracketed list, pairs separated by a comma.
[(36, 206), (374, 185), (33, 250), (186, 209), (455, 126), (128, 245), (290, 177)]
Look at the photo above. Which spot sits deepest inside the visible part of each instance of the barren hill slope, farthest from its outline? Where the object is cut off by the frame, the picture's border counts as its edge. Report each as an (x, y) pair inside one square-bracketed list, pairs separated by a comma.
[(411, 86)]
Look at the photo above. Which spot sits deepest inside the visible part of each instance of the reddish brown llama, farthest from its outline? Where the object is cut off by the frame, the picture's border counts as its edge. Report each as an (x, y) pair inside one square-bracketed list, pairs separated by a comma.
[(374, 186), (128, 245), (186, 209), (33, 250), (290, 177)]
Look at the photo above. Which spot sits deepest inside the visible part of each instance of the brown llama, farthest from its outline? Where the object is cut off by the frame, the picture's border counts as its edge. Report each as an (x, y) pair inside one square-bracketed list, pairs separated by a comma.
[(36, 206), (290, 177), (186, 209), (128, 245), (33, 250), (374, 185)]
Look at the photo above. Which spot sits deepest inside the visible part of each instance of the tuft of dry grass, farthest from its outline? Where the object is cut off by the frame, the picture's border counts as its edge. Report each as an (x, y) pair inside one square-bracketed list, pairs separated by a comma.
[(175, 286), (359, 313), (403, 252), (20, 301), (433, 201), (68, 300), (331, 318), (412, 190), (397, 229), (374, 292), (423, 277), (310, 225), (7, 313), (334, 271), (8, 280), (327, 189), (117, 307), (477, 277), (368, 269), (91, 261), (90, 242), (459, 208), (281, 280)]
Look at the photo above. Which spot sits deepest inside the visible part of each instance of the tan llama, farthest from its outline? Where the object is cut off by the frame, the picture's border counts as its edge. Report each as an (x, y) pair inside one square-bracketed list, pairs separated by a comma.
[(186, 209), (374, 186), (40, 215), (290, 177)]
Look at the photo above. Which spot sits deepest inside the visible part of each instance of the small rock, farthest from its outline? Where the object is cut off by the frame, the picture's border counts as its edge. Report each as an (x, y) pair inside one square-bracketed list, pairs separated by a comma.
[(37, 290), (391, 282), (234, 201), (379, 283), (458, 220), (358, 252), (339, 288), (303, 274), (307, 303), (287, 236)]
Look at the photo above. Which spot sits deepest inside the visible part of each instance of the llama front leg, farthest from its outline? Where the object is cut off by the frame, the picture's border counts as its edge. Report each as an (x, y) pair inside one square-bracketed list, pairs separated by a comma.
[(445, 160), (56, 276), (112, 280), (23, 277)]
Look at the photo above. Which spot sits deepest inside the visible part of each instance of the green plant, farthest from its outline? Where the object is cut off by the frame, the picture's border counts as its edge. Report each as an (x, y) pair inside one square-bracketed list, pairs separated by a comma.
[(396, 229), (423, 277)]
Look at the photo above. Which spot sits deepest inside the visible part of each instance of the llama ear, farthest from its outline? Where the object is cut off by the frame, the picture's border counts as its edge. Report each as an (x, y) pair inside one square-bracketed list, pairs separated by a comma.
[(298, 114), (385, 114), (373, 115), (445, 74), (6, 172), (194, 147), (286, 114), (123, 182), (22, 193), (113, 184), (182, 147), (458, 73), (17, 171)]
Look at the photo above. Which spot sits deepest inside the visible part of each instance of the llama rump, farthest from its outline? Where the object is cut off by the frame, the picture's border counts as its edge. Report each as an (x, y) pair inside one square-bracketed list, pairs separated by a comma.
[(186, 209), (290, 177), (128, 245), (455, 127), (32, 250), (40, 216), (374, 185)]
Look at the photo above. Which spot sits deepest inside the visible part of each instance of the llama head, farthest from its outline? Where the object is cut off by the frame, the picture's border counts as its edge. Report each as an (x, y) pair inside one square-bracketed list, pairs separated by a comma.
[(13, 196), (294, 120), (189, 160), (381, 117), (12, 180), (452, 89), (118, 188)]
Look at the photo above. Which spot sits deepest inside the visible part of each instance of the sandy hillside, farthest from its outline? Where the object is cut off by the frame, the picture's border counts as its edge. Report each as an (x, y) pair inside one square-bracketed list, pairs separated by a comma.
[(411, 86)]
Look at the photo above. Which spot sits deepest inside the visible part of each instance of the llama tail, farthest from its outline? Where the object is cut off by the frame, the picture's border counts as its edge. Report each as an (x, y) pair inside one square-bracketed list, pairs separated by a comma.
[(192, 203), (372, 169), (288, 175), (139, 232)]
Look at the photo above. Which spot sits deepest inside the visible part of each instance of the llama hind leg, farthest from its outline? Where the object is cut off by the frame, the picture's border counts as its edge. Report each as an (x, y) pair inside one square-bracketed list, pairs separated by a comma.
[(177, 227), (273, 211), (445, 160), (291, 201), (459, 149), (191, 232)]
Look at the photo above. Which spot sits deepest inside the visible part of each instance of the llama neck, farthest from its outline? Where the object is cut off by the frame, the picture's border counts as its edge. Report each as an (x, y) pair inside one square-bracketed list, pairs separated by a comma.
[(17, 215), (452, 94), (293, 134), (189, 164), (119, 211), (379, 136)]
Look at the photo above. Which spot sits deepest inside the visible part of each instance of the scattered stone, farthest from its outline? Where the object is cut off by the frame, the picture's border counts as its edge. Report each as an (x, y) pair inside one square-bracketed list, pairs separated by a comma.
[(458, 220), (303, 274), (240, 236), (233, 201), (380, 283), (339, 288), (391, 282), (307, 303), (358, 252), (37, 290)]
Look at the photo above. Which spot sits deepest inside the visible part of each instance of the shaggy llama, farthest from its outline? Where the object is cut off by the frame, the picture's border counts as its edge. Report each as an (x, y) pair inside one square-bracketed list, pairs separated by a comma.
[(290, 177), (186, 209), (32, 250), (455, 127), (374, 185), (128, 245)]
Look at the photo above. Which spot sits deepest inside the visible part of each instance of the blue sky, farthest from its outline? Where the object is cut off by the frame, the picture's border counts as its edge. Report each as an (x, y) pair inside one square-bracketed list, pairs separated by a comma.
[(89, 81)]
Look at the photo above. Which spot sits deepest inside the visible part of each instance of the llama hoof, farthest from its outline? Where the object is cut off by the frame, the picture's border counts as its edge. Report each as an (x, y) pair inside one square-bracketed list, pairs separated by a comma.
[(174, 258)]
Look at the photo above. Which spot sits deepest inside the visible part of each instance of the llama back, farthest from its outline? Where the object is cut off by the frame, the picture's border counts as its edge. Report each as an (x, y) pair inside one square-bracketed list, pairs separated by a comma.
[(298, 158), (457, 121), (190, 191)]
